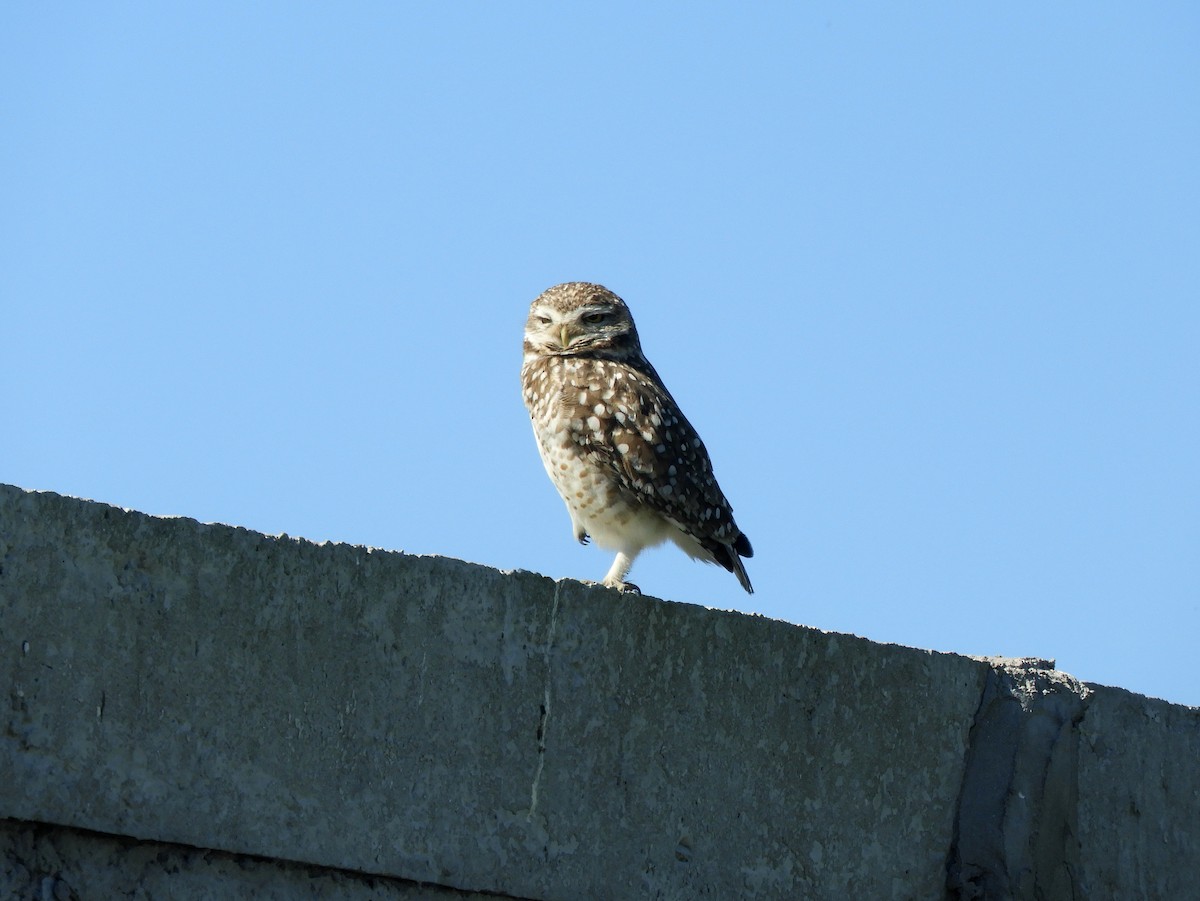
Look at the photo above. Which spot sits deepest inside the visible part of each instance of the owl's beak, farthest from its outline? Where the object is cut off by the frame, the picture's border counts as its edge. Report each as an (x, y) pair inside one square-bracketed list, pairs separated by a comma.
[(564, 336)]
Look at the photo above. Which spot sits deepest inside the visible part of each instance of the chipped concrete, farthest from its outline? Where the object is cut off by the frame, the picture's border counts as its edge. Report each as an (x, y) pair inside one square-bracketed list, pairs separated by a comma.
[(446, 725), (1015, 831)]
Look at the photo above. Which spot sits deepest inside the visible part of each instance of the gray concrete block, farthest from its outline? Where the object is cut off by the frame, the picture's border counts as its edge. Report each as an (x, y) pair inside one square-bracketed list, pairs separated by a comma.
[(445, 723), (431, 721)]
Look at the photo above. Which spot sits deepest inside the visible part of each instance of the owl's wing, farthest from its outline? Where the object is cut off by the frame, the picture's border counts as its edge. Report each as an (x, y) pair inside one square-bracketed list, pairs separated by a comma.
[(628, 419)]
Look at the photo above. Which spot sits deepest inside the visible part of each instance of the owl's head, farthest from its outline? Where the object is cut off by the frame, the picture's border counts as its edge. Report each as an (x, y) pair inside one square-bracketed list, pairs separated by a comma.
[(580, 318)]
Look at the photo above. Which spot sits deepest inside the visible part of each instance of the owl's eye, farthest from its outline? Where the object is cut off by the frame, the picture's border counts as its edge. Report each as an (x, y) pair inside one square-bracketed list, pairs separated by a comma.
[(595, 318), (543, 320)]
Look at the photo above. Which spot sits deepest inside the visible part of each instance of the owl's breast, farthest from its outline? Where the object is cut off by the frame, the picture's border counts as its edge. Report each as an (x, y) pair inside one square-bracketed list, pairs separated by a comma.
[(577, 471), (598, 500)]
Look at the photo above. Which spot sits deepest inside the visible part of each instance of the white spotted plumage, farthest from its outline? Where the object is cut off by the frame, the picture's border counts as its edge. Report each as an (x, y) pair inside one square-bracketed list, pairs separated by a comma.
[(629, 466)]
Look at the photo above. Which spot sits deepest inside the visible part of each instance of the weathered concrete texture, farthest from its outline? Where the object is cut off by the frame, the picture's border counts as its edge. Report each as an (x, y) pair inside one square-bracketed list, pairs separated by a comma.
[(1139, 797), (1076, 792), (54, 862), (445, 723), (428, 720)]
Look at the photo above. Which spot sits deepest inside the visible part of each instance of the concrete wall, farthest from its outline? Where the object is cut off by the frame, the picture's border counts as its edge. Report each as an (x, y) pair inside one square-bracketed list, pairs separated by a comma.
[(195, 707)]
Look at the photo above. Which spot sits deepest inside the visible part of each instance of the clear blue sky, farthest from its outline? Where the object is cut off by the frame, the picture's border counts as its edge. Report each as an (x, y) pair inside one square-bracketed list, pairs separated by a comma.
[(924, 276)]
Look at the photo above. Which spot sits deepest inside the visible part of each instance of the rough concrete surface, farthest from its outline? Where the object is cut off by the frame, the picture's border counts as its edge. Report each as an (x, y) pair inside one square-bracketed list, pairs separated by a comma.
[(1139, 797), (423, 719)]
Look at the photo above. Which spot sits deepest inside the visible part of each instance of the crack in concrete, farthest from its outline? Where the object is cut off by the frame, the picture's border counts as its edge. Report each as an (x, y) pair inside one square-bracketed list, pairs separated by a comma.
[(544, 715)]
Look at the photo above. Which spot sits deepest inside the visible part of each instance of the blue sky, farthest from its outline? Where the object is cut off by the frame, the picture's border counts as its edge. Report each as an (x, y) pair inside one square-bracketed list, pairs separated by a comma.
[(922, 275)]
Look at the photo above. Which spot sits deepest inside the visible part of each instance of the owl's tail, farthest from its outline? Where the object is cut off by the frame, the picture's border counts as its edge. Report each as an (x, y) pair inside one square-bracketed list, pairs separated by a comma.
[(730, 556)]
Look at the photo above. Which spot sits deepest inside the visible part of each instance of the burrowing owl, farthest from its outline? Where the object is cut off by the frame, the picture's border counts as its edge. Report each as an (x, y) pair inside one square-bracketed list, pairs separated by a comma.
[(630, 467)]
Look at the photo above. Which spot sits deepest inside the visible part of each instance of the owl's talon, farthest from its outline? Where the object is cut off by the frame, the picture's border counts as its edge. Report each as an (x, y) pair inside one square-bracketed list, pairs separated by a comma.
[(623, 587)]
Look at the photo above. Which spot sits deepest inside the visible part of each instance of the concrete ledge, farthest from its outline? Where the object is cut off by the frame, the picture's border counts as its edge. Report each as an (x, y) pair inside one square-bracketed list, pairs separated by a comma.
[(432, 721)]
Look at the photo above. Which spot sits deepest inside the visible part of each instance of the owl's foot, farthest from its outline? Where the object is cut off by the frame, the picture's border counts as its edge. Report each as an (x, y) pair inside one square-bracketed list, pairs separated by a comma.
[(583, 537), (623, 587), (620, 569)]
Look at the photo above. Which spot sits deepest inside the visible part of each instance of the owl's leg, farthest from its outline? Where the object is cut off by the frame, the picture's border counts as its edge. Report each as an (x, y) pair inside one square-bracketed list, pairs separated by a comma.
[(620, 569)]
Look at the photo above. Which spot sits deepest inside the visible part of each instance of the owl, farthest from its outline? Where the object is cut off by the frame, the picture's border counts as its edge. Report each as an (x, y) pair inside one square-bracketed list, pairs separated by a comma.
[(629, 466)]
